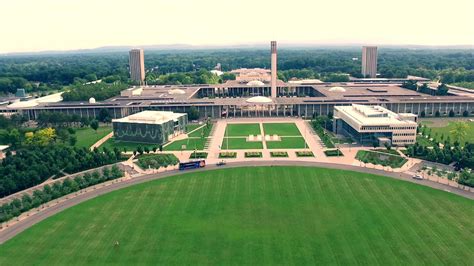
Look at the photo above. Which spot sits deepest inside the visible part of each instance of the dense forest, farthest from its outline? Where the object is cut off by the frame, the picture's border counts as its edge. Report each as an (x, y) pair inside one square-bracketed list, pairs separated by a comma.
[(39, 73), (34, 164)]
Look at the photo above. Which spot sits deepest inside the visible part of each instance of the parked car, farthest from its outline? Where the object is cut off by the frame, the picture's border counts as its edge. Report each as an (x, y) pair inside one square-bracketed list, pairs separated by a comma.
[(221, 163), (417, 177)]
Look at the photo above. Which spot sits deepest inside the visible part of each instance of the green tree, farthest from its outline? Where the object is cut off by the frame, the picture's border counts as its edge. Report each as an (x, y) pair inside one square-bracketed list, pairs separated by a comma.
[(459, 132), (95, 125)]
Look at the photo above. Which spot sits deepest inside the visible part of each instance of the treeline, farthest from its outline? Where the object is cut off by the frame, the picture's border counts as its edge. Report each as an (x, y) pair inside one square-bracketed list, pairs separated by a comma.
[(34, 164), (57, 190), (196, 77), (54, 71), (98, 91), (462, 156), (441, 90)]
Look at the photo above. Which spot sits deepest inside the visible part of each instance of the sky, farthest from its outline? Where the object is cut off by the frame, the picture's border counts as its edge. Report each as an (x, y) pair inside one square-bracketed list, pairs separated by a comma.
[(38, 25)]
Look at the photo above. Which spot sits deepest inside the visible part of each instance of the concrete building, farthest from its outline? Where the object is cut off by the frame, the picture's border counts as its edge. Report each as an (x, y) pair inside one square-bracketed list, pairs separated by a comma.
[(150, 127), (274, 69), (369, 61), (137, 65), (369, 124)]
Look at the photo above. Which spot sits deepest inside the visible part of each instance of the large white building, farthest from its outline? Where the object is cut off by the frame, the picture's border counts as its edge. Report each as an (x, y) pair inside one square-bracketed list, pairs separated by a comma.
[(137, 65), (369, 61), (368, 124), (156, 127)]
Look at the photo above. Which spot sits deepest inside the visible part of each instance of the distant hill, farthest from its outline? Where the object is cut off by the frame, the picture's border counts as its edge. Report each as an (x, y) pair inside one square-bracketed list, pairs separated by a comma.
[(125, 48)]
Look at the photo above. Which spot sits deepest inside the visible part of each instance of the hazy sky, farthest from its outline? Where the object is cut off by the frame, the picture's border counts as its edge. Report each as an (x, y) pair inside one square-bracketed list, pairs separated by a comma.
[(34, 25)]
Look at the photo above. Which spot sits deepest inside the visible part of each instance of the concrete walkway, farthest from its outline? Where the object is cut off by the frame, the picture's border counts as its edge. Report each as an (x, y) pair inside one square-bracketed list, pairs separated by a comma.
[(102, 141)]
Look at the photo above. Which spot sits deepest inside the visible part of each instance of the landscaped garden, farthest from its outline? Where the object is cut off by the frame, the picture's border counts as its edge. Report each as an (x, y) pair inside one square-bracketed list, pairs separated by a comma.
[(256, 216), (156, 161), (382, 157)]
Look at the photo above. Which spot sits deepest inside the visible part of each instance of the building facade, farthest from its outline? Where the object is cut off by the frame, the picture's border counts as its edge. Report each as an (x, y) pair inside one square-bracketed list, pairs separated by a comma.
[(137, 65), (369, 61), (369, 124), (150, 127)]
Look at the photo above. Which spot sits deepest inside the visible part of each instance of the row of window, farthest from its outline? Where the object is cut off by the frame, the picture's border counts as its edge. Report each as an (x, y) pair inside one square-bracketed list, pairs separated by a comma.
[(402, 141), (375, 128), (404, 134), (404, 128)]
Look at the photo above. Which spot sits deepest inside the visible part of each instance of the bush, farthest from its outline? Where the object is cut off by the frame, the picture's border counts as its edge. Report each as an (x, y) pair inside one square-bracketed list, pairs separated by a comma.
[(278, 154), (156, 160), (304, 154), (228, 155), (253, 154), (333, 153), (198, 155)]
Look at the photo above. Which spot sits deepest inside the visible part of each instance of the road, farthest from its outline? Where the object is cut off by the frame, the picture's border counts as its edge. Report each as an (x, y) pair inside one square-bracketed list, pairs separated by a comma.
[(19, 227)]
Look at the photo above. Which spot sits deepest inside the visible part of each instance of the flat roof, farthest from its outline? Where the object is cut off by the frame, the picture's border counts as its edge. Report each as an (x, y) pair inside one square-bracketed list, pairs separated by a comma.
[(372, 115), (150, 117)]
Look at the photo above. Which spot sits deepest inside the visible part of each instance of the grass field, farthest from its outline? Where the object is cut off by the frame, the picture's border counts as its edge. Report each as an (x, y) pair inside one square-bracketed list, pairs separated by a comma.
[(86, 137), (191, 144), (281, 129), (240, 144), (129, 146), (256, 216), (287, 143), (446, 131), (242, 130)]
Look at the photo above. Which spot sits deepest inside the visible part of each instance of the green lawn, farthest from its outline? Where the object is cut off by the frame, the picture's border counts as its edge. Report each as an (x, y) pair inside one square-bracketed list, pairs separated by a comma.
[(446, 131), (240, 144), (281, 129), (129, 146), (287, 143), (86, 137), (385, 159), (242, 130), (203, 131), (256, 216), (191, 127), (191, 144)]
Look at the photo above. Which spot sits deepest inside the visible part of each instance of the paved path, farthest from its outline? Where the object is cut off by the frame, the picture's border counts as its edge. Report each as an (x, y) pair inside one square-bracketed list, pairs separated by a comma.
[(102, 141), (18, 227)]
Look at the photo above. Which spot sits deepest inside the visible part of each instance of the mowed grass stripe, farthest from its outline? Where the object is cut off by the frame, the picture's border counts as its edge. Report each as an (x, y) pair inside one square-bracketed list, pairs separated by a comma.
[(256, 215), (412, 221), (404, 232), (369, 256), (437, 229)]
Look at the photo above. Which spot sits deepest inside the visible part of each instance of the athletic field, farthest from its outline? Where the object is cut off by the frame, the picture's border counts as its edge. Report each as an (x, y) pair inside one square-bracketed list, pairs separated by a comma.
[(255, 216)]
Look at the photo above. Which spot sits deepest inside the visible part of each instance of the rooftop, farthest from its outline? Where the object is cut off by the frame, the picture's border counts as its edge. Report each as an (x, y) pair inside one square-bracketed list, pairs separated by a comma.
[(373, 115), (150, 117)]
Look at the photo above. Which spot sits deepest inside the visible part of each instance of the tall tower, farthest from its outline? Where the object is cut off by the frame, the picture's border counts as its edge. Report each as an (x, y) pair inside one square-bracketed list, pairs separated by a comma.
[(274, 69), (369, 61), (137, 65)]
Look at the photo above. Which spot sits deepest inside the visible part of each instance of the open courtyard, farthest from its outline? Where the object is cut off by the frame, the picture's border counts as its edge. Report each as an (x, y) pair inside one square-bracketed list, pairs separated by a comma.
[(244, 136)]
